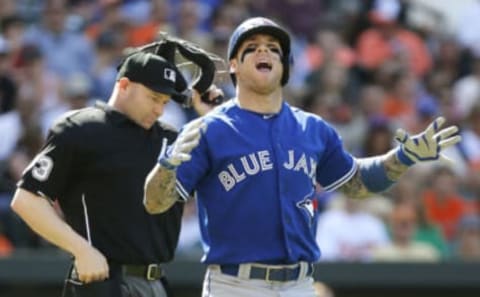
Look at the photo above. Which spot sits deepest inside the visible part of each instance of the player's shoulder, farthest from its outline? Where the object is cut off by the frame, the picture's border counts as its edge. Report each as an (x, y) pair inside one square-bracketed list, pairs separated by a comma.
[(312, 123), (221, 113), (305, 116)]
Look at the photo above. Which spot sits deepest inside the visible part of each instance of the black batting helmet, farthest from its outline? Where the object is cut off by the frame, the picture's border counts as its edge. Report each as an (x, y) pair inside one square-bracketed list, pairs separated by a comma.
[(266, 26)]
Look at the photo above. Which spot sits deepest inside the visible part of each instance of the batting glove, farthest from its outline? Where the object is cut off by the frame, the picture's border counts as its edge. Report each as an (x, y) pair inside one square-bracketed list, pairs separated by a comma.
[(171, 157), (428, 145)]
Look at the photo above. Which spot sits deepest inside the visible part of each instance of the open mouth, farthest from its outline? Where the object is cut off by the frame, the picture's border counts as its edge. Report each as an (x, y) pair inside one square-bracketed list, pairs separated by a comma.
[(264, 66)]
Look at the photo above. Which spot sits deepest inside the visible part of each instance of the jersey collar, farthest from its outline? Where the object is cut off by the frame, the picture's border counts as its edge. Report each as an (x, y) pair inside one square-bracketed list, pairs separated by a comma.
[(265, 116), (115, 115)]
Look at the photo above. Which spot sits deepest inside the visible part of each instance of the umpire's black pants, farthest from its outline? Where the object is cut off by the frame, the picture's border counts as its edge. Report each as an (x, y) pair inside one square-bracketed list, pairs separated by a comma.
[(117, 285)]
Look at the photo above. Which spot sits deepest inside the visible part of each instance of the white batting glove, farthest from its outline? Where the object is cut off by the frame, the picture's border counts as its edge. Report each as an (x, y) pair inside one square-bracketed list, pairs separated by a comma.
[(428, 145), (179, 151)]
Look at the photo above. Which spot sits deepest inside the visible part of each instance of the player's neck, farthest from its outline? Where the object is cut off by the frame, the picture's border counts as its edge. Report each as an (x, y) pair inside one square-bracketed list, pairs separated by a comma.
[(261, 103)]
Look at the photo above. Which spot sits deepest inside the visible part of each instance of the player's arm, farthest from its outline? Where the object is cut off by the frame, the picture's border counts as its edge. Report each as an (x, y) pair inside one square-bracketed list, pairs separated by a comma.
[(41, 217), (379, 173), (160, 193), (393, 169), (160, 185)]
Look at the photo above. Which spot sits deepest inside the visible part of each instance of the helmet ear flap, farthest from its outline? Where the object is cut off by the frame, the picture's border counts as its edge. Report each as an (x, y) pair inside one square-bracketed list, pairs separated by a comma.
[(287, 61)]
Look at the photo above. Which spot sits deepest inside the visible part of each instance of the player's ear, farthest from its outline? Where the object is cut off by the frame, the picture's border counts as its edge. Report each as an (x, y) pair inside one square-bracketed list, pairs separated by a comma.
[(233, 66), (123, 83)]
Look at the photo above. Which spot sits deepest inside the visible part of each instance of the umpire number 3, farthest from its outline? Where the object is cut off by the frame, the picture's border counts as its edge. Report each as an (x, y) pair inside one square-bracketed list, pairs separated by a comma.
[(42, 168)]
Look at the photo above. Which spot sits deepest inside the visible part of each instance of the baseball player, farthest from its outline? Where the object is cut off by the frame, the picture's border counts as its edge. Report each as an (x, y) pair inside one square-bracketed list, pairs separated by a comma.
[(255, 169), (94, 164)]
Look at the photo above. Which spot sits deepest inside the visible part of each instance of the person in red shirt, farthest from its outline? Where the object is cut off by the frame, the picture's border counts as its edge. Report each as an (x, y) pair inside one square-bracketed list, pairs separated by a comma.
[(444, 204)]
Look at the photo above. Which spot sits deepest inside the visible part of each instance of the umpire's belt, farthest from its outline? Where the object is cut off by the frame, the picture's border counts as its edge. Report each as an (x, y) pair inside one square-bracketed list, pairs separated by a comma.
[(150, 271), (269, 273)]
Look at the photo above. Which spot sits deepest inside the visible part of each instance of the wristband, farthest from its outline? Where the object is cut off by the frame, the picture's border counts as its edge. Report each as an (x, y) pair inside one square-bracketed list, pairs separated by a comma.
[(163, 156), (403, 158), (166, 164)]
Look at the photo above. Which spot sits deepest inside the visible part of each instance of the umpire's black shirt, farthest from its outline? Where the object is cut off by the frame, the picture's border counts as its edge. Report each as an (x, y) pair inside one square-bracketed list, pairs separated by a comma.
[(95, 162)]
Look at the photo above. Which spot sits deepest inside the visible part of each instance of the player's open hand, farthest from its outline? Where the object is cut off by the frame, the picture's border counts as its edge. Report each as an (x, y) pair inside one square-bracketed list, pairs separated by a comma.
[(180, 150), (91, 265), (428, 145)]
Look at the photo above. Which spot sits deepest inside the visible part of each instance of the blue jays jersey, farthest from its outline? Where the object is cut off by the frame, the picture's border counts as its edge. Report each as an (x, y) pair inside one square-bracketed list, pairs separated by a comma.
[(255, 176)]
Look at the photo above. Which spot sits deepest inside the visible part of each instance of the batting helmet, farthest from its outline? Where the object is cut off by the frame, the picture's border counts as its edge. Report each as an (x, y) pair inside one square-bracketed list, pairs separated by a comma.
[(266, 26)]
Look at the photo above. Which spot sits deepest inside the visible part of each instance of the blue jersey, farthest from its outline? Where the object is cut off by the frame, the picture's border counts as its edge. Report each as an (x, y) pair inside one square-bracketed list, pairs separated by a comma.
[(254, 176)]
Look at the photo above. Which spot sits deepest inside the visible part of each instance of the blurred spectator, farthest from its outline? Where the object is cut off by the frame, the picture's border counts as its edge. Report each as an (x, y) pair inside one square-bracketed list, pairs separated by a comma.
[(81, 14), (75, 94), (13, 29), (403, 225), (328, 47), (188, 24), (7, 8), (135, 11), (108, 48), (427, 231), (400, 93), (77, 91), (111, 19), (36, 83), (466, 91), (388, 40), (470, 150), (444, 205), (13, 124), (450, 60), (22, 137), (371, 101), (349, 233), (65, 52), (293, 14), (378, 139), (426, 110), (8, 87), (467, 33), (147, 32), (466, 245)]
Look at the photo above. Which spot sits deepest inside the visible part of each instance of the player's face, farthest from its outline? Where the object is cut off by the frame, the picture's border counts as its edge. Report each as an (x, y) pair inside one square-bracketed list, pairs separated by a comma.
[(144, 105), (258, 63)]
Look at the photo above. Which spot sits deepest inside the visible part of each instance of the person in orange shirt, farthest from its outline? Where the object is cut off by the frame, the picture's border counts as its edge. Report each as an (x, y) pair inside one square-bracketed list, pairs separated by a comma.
[(443, 203), (387, 40), (148, 31)]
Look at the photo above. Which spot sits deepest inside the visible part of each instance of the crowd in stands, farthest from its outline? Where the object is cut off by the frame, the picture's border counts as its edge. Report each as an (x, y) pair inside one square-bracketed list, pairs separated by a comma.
[(366, 66)]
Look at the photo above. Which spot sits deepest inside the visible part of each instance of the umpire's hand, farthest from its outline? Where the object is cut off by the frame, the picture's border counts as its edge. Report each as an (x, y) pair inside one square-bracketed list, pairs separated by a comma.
[(90, 264)]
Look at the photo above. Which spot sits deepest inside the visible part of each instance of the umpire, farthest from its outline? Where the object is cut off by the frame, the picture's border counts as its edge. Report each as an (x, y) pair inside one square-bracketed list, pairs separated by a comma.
[(94, 164)]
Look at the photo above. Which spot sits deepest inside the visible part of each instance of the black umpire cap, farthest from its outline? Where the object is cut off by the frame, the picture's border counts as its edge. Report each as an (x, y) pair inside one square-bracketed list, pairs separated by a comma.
[(154, 72)]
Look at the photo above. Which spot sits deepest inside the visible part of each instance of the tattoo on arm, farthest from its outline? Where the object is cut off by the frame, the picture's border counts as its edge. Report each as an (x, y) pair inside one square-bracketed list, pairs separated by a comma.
[(160, 193), (394, 168), (355, 188)]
